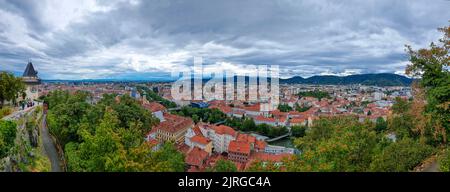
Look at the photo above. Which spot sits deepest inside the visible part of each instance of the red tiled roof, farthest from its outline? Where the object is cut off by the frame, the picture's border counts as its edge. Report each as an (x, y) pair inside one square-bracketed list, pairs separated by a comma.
[(278, 113), (323, 103), (200, 139), (264, 119), (196, 157), (174, 123), (197, 130), (154, 107), (246, 138), (183, 148), (239, 112), (311, 110), (260, 145), (298, 120), (295, 113), (222, 129), (223, 108), (239, 147), (270, 157), (255, 107), (217, 102)]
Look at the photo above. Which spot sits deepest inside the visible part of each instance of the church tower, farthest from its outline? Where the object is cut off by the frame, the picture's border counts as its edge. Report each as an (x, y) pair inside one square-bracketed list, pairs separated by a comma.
[(32, 82)]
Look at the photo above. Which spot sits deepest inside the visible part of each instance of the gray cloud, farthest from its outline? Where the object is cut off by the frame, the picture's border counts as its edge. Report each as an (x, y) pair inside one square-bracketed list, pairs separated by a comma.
[(126, 38)]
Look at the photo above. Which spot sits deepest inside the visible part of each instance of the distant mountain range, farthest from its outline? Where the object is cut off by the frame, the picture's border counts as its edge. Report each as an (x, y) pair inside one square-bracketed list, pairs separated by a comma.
[(380, 79)]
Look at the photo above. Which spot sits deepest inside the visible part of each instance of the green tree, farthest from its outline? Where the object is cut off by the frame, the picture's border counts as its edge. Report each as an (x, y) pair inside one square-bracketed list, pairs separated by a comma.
[(152, 96), (99, 151), (431, 65), (401, 106), (130, 111), (195, 118), (381, 125), (107, 136), (335, 144), (206, 114), (298, 131), (402, 155), (7, 136), (167, 159), (264, 166), (70, 112), (301, 108), (401, 122), (113, 148), (316, 94), (347, 146), (64, 118), (224, 166), (444, 161), (5, 111), (11, 88), (249, 125), (284, 108)]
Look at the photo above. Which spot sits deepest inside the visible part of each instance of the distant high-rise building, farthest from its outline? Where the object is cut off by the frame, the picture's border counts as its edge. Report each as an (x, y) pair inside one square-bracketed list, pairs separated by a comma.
[(32, 82)]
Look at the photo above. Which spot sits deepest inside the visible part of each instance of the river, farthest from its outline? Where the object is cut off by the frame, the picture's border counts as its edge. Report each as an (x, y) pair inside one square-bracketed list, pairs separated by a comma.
[(286, 142)]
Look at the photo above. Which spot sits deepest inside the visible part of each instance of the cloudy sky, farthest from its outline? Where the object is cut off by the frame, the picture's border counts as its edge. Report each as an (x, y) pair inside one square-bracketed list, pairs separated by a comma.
[(144, 39)]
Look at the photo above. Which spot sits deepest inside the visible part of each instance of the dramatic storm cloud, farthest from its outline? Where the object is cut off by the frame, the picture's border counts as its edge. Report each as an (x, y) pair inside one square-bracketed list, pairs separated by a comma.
[(79, 39)]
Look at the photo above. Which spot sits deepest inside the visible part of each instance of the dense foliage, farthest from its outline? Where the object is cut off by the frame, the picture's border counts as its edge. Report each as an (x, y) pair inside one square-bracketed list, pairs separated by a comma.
[(11, 88), (262, 166), (7, 136), (444, 161), (107, 136), (202, 114), (248, 125), (5, 111), (224, 166), (402, 155), (345, 144), (301, 108), (152, 96), (316, 94), (431, 65), (284, 108), (298, 131)]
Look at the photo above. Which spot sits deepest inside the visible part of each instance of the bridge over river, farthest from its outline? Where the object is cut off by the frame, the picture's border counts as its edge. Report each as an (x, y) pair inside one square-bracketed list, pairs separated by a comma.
[(279, 137)]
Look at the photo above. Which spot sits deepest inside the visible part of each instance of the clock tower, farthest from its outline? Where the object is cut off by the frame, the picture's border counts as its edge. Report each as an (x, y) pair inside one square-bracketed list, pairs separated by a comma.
[(32, 82)]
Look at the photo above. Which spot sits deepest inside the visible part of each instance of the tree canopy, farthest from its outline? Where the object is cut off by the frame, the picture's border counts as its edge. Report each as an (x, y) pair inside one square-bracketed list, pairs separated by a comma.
[(7, 136), (431, 66), (107, 136), (224, 166), (344, 144), (11, 87), (316, 94)]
